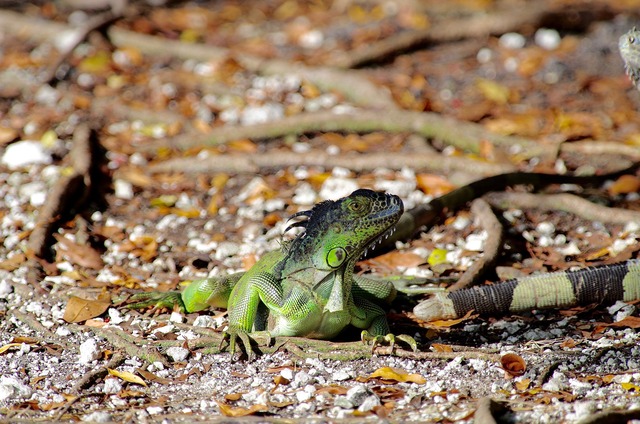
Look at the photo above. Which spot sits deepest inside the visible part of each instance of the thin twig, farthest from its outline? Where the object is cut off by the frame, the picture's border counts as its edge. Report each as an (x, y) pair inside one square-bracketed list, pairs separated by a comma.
[(251, 163), (35, 325), (92, 376), (477, 26), (95, 23), (492, 246), (353, 85), (70, 194), (71, 402), (563, 202)]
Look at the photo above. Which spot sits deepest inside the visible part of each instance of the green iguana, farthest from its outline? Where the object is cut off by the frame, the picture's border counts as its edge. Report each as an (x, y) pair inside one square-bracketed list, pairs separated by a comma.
[(308, 288)]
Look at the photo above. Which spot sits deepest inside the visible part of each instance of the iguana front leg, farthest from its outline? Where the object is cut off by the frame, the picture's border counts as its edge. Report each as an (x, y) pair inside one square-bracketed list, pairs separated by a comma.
[(369, 315), (253, 292)]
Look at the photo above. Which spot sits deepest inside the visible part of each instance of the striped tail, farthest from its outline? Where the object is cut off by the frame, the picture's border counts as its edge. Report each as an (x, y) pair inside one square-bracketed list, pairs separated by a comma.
[(600, 284)]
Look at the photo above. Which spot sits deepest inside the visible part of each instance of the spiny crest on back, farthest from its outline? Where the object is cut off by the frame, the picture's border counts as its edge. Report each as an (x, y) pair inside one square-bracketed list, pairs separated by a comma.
[(309, 216)]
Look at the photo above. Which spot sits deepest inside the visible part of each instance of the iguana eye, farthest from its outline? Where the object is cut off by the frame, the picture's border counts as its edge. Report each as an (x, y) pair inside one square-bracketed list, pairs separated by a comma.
[(356, 206), (336, 256)]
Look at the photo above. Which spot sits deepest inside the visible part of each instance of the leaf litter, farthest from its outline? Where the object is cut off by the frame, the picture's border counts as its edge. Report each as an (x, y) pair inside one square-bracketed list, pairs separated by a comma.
[(227, 217)]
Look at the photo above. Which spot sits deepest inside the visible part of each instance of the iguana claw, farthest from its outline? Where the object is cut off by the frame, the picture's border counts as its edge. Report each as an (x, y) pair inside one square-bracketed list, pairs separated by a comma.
[(158, 300), (390, 338), (232, 335)]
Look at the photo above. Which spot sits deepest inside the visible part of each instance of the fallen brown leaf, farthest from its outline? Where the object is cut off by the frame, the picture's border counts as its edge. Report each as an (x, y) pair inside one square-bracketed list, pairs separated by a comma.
[(231, 411), (624, 185), (397, 374), (630, 321), (450, 322), (13, 262), (79, 309), (437, 347), (82, 255), (127, 376), (513, 364)]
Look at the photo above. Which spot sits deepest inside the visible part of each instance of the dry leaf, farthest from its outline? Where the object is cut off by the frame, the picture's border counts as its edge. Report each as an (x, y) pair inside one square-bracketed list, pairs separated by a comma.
[(568, 343), (82, 255), (434, 185), (7, 135), (396, 259), (79, 309), (8, 346), (136, 177), (127, 376), (523, 384), (232, 397), (397, 374), (280, 380), (13, 262), (451, 322), (149, 376), (493, 91), (630, 321), (437, 347), (513, 364), (231, 411), (243, 145), (332, 390), (96, 323), (630, 387), (624, 185)]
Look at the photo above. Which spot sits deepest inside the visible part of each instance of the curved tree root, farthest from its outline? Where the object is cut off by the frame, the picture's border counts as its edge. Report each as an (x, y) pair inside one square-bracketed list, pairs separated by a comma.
[(465, 136), (563, 202), (251, 164), (489, 223)]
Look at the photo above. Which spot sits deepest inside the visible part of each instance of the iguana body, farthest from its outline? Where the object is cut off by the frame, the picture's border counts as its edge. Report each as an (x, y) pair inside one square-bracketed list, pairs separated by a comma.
[(600, 284), (308, 288)]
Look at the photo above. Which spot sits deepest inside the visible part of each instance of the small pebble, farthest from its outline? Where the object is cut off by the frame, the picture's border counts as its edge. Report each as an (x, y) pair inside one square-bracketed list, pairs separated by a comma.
[(176, 317), (358, 394), (98, 417), (26, 152), (545, 228), (123, 189), (512, 41), (548, 39), (89, 351), (112, 386), (5, 289), (177, 354), (13, 388)]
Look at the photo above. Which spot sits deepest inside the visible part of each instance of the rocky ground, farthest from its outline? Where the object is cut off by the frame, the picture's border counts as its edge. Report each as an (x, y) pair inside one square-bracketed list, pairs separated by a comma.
[(203, 158)]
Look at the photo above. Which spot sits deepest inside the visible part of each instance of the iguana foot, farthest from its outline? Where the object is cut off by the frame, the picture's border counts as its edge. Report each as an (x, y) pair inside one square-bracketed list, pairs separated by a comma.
[(232, 335), (166, 300), (390, 339)]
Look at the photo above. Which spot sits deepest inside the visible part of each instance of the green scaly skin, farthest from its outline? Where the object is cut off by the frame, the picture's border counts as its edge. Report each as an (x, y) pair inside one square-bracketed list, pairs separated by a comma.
[(308, 288)]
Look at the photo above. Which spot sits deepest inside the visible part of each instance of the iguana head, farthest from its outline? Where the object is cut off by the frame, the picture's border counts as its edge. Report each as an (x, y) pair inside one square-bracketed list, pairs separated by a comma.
[(336, 233)]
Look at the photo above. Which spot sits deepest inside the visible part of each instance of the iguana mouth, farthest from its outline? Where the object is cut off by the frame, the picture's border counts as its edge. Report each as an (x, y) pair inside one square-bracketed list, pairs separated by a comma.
[(377, 241)]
